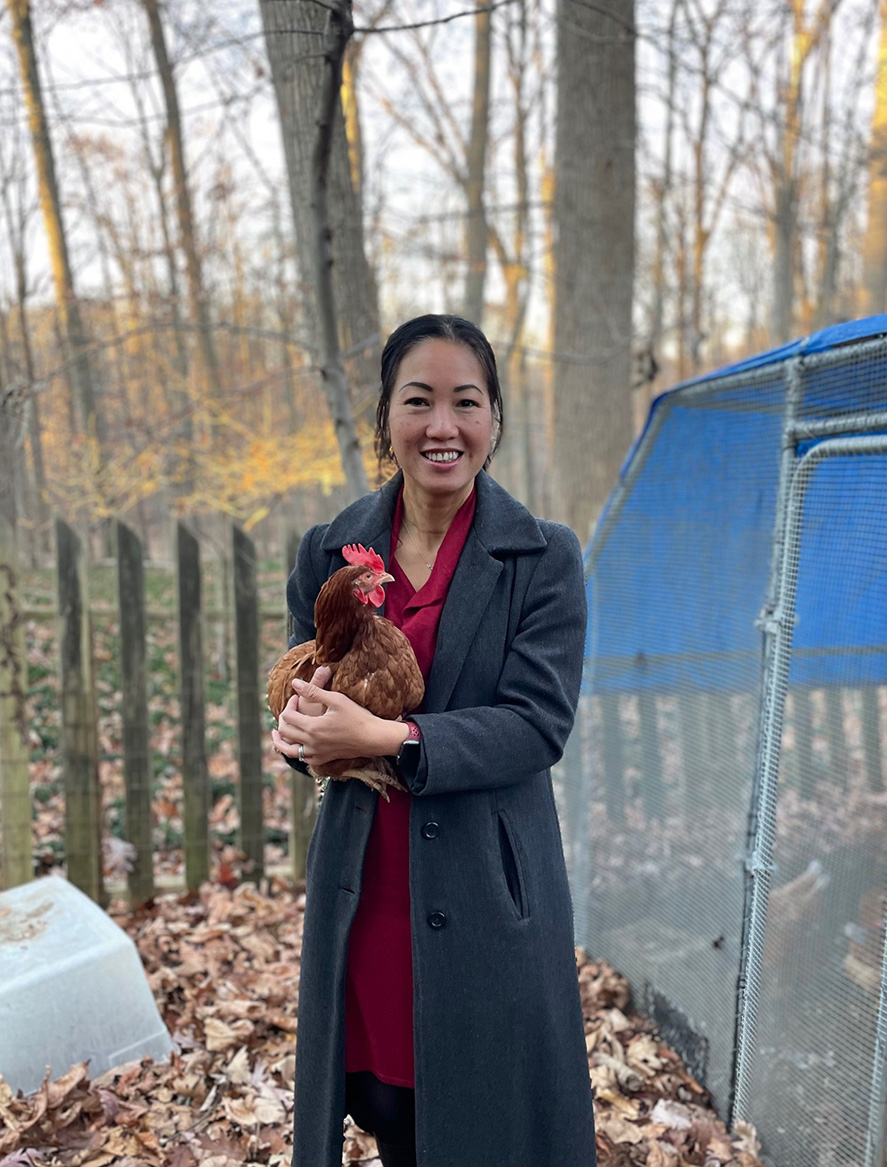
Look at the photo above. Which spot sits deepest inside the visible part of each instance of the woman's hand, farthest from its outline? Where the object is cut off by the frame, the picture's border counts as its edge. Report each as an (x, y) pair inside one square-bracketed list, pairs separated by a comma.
[(345, 729), (282, 737)]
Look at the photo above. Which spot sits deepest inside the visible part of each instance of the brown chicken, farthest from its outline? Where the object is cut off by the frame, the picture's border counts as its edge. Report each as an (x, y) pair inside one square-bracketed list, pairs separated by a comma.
[(372, 662)]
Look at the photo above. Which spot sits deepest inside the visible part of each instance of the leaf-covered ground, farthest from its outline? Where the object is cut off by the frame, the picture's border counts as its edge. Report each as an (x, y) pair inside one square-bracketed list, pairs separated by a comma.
[(224, 965), (224, 969)]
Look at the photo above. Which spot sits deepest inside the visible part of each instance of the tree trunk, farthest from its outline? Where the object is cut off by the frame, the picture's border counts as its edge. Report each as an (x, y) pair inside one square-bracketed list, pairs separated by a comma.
[(73, 332), (17, 227), (785, 225), (32, 416), (657, 312), (196, 291), (827, 243), (873, 297), (804, 38), (294, 34), (10, 430), (180, 393), (594, 254), (332, 367), (476, 226), (351, 113)]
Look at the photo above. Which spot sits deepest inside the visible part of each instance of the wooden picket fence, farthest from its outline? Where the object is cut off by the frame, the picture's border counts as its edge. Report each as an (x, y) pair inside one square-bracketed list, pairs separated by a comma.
[(79, 739)]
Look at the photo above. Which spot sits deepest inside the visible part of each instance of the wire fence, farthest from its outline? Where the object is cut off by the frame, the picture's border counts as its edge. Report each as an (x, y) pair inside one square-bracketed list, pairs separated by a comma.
[(723, 792)]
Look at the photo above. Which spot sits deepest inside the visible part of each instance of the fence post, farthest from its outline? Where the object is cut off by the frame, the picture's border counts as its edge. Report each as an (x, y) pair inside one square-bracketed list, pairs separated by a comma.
[(802, 723), (134, 689), (15, 799), (293, 540), (838, 755), (693, 748), (249, 729), (195, 783), (612, 756), (871, 739), (651, 760), (83, 827)]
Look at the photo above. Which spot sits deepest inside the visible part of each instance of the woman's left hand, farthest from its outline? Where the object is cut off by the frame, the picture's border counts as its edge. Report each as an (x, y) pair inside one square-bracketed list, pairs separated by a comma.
[(345, 729)]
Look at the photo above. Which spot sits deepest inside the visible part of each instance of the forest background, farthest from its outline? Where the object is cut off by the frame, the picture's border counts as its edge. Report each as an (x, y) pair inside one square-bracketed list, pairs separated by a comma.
[(623, 194)]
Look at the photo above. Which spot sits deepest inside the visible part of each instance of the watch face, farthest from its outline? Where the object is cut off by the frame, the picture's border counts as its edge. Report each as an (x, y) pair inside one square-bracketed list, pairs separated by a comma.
[(407, 749)]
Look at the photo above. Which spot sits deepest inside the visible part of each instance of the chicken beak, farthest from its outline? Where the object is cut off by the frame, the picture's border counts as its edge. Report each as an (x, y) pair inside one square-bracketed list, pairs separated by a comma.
[(385, 578)]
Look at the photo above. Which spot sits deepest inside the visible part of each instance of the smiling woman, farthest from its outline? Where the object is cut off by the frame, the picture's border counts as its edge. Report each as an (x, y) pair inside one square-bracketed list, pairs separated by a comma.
[(438, 999)]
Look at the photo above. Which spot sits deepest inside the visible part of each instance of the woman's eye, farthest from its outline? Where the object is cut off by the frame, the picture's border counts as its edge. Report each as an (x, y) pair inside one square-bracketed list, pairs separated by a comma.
[(416, 401), (468, 401)]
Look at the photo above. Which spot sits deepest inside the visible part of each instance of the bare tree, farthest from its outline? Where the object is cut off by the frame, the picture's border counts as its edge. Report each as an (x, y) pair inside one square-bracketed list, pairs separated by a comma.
[(714, 50), (423, 107), (299, 39), (306, 48), (805, 34), (476, 154), (154, 151), (873, 296), (73, 331), (594, 253), (187, 231), (17, 212), (510, 237), (662, 195)]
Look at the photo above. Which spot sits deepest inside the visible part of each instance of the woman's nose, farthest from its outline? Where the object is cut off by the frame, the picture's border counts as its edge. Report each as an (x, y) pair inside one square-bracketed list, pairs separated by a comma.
[(442, 423)]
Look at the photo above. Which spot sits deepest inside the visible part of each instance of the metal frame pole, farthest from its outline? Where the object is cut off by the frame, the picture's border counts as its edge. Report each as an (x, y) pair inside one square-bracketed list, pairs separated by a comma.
[(779, 627), (757, 860)]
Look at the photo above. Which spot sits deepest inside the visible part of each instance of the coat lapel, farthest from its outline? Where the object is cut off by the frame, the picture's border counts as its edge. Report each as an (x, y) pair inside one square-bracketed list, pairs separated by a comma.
[(500, 525), (475, 577)]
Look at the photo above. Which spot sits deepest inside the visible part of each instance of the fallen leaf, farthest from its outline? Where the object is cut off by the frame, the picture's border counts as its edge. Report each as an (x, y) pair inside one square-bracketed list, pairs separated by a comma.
[(661, 1155), (237, 1070), (671, 1114), (220, 1035), (619, 1130)]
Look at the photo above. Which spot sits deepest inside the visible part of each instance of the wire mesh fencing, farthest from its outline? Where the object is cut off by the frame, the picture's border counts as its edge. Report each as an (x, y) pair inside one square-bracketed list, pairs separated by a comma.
[(723, 793)]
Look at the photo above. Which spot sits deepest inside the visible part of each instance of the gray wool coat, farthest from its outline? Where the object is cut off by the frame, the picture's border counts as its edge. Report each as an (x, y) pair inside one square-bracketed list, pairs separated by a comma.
[(501, 1072)]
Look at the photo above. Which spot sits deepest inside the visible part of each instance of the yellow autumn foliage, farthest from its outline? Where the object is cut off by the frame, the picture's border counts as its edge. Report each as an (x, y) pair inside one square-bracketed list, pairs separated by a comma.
[(237, 471)]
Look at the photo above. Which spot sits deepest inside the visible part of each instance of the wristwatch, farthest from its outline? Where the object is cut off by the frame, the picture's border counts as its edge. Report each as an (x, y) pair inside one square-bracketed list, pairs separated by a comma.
[(408, 754)]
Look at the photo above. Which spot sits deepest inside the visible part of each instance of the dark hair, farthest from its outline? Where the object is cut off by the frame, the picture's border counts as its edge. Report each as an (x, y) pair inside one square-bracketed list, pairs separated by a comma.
[(454, 329)]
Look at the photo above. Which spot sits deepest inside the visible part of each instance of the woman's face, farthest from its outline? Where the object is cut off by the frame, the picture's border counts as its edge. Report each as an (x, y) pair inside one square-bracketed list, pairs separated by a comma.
[(440, 420)]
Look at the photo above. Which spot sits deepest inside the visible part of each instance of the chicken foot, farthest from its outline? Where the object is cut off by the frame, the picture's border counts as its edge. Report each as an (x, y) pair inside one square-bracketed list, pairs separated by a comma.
[(377, 776)]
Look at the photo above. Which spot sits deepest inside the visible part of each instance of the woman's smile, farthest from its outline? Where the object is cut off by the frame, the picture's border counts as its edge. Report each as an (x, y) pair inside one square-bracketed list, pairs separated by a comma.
[(442, 457)]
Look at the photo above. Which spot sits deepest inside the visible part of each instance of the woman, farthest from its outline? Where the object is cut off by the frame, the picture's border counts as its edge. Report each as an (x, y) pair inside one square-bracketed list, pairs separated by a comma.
[(438, 1000)]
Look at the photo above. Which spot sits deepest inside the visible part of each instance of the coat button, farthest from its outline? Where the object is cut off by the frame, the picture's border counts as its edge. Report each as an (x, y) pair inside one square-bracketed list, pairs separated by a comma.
[(437, 919), (431, 830)]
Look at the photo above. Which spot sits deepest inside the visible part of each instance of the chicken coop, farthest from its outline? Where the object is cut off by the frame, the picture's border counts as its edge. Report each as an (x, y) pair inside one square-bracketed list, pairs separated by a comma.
[(723, 795)]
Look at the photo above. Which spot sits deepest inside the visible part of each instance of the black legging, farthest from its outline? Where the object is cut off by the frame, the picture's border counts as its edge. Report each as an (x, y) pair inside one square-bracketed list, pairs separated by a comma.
[(388, 1112)]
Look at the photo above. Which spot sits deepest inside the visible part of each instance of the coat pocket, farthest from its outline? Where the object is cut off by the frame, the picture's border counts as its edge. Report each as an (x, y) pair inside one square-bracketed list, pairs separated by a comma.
[(512, 871)]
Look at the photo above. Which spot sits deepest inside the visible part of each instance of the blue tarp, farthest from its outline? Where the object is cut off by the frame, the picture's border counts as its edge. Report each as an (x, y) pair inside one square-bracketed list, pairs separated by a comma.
[(679, 563)]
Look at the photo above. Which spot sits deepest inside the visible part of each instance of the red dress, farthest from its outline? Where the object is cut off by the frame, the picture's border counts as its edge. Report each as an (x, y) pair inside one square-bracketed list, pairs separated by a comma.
[(379, 977)]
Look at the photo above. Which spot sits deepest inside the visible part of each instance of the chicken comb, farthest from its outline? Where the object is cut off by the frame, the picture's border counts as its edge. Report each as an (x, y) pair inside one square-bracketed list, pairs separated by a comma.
[(357, 554)]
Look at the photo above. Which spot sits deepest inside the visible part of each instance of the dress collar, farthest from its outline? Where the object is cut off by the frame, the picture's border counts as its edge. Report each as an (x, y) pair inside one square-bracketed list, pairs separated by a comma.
[(501, 523)]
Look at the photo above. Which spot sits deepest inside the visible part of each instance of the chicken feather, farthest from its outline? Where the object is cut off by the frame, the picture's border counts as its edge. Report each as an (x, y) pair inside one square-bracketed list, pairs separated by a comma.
[(372, 662)]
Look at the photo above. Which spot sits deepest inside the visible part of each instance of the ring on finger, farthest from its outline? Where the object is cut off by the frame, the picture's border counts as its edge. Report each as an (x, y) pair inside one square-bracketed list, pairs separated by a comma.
[(301, 752)]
